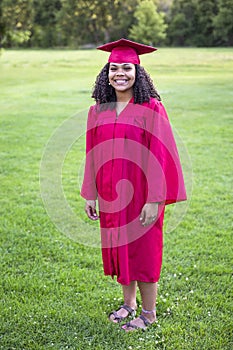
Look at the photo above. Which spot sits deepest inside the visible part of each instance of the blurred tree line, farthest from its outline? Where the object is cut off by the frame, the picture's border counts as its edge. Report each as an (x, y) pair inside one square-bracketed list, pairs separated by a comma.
[(85, 23)]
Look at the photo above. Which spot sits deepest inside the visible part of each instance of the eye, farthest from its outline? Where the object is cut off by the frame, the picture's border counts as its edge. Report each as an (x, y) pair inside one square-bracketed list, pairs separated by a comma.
[(127, 67)]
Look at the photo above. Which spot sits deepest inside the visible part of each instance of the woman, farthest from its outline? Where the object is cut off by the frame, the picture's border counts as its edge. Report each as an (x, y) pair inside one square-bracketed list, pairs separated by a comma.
[(133, 169)]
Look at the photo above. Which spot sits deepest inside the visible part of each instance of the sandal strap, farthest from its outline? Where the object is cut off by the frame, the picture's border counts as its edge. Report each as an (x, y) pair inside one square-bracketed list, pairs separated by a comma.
[(116, 317), (127, 308), (129, 324), (119, 318), (149, 311), (145, 320)]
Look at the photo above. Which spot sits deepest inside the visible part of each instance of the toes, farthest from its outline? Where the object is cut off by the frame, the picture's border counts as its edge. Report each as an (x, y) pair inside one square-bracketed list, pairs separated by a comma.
[(128, 328), (133, 325)]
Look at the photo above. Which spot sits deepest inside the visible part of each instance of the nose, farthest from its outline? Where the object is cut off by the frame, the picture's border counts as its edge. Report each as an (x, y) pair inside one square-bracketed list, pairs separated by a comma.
[(120, 72)]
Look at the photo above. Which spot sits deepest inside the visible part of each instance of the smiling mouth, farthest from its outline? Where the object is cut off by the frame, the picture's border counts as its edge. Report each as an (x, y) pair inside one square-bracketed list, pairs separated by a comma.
[(121, 81)]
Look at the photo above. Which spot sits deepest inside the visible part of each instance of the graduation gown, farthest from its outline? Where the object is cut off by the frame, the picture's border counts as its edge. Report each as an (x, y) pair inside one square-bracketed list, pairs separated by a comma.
[(131, 159)]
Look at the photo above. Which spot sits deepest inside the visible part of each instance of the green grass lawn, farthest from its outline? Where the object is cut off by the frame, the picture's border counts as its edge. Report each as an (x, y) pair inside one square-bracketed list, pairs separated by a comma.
[(53, 292)]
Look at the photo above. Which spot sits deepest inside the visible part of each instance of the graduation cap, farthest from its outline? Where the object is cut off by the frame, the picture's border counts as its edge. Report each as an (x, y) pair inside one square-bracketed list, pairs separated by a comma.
[(125, 51)]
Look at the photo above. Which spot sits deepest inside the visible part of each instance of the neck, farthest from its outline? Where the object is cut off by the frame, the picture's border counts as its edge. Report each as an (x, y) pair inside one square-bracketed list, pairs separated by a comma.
[(124, 96)]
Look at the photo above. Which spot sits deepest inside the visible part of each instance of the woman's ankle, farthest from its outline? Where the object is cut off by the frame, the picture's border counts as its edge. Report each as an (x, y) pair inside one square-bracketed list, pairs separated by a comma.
[(149, 314), (131, 304)]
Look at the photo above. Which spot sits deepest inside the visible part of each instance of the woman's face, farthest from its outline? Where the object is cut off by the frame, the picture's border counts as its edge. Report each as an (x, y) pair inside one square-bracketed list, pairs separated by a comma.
[(122, 76)]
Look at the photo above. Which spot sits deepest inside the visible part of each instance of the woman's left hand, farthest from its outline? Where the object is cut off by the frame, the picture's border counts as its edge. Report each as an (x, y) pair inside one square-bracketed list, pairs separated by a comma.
[(90, 209), (149, 213)]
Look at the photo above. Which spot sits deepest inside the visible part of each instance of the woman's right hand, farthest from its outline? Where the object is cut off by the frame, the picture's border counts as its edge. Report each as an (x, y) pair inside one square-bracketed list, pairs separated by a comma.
[(90, 209)]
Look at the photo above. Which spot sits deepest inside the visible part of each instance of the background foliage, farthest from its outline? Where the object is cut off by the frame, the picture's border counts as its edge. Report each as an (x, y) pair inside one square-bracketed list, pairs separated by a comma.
[(77, 23)]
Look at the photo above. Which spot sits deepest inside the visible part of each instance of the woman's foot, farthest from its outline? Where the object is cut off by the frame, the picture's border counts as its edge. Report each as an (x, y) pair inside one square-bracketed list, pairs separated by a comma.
[(122, 313), (142, 322)]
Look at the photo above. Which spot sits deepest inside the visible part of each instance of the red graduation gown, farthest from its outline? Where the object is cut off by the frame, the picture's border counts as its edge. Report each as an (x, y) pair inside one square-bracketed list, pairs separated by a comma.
[(131, 160)]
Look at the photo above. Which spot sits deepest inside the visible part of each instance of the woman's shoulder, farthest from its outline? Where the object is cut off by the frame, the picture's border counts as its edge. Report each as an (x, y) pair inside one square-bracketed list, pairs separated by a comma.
[(157, 107), (99, 107), (92, 108), (153, 103), (93, 111)]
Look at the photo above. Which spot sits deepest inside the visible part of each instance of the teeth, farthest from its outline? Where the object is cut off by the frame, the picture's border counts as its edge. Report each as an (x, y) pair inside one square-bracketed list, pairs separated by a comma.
[(120, 81)]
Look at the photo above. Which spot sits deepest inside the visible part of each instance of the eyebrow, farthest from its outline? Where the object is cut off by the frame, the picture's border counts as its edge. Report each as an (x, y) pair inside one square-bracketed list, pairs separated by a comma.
[(120, 64)]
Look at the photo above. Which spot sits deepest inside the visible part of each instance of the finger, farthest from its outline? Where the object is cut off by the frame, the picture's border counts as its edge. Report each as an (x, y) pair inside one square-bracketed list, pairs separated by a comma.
[(146, 221), (91, 213), (149, 220), (142, 216), (88, 211), (94, 215)]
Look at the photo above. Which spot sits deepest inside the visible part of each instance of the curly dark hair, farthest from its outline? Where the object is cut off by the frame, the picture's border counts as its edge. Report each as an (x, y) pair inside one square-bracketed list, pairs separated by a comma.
[(143, 87)]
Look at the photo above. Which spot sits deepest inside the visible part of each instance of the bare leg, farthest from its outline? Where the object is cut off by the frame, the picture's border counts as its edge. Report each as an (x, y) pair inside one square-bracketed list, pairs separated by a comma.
[(129, 293), (148, 293)]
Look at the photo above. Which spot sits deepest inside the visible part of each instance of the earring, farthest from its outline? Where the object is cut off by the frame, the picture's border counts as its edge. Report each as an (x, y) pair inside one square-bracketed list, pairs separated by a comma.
[(109, 83)]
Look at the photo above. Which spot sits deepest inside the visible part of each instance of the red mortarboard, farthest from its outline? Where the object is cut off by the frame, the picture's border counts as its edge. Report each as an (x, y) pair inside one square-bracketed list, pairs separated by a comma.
[(125, 51)]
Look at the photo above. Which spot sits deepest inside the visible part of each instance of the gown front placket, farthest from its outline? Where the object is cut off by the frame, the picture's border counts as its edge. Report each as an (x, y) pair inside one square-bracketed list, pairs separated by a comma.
[(115, 204)]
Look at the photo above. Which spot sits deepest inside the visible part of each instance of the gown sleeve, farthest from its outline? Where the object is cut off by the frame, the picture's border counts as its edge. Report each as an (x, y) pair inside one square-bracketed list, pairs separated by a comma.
[(88, 190), (164, 172)]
